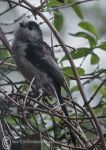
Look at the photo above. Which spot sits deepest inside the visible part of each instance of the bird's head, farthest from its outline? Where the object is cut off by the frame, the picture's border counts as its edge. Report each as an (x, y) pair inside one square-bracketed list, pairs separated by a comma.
[(28, 31)]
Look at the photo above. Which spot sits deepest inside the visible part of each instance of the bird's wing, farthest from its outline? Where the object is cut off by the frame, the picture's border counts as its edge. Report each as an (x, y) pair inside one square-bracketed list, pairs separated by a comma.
[(53, 69), (51, 53), (42, 56), (40, 44)]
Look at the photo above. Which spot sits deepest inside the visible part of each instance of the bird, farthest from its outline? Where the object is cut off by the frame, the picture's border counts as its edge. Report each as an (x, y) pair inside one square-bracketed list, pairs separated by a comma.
[(35, 58)]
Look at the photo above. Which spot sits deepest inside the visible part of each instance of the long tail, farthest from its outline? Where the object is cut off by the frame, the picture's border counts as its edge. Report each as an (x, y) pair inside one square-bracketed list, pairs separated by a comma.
[(57, 91)]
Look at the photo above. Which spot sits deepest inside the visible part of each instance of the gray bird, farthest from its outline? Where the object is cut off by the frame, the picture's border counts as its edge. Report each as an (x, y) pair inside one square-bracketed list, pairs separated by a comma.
[(35, 58), (19, 51)]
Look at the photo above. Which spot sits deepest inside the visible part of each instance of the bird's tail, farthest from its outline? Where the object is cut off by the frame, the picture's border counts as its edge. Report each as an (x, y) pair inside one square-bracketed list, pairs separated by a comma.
[(63, 106)]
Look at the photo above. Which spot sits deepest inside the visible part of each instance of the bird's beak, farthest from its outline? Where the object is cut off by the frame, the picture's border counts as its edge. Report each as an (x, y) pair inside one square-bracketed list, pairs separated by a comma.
[(22, 24)]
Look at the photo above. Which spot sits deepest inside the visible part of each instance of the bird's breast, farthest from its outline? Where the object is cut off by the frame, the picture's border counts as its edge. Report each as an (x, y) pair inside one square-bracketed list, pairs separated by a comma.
[(19, 48)]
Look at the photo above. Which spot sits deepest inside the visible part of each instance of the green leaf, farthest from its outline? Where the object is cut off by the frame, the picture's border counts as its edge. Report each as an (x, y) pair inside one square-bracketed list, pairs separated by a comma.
[(53, 3), (58, 20), (76, 8), (69, 72), (94, 59), (102, 46), (102, 89), (10, 120), (74, 89), (98, 110), (104, 105), (89, 27), (4, 54), (79, 53), (78, 11), (91, 39)]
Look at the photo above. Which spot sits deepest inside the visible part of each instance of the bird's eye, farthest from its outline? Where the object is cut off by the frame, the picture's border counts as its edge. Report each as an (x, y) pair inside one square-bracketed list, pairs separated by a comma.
[(30, 27)]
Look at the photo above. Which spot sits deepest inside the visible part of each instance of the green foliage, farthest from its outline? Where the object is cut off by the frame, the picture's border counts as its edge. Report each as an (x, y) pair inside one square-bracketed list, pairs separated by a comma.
[(4, 54), (78, 11), (81, 52), (58, 20), (78, 53), (94, 59), (53, 3), (91, 39), (69, 71), (102, 90), (74, 89), (102, 46), (76, 8), (5, 58), (89, 27)]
